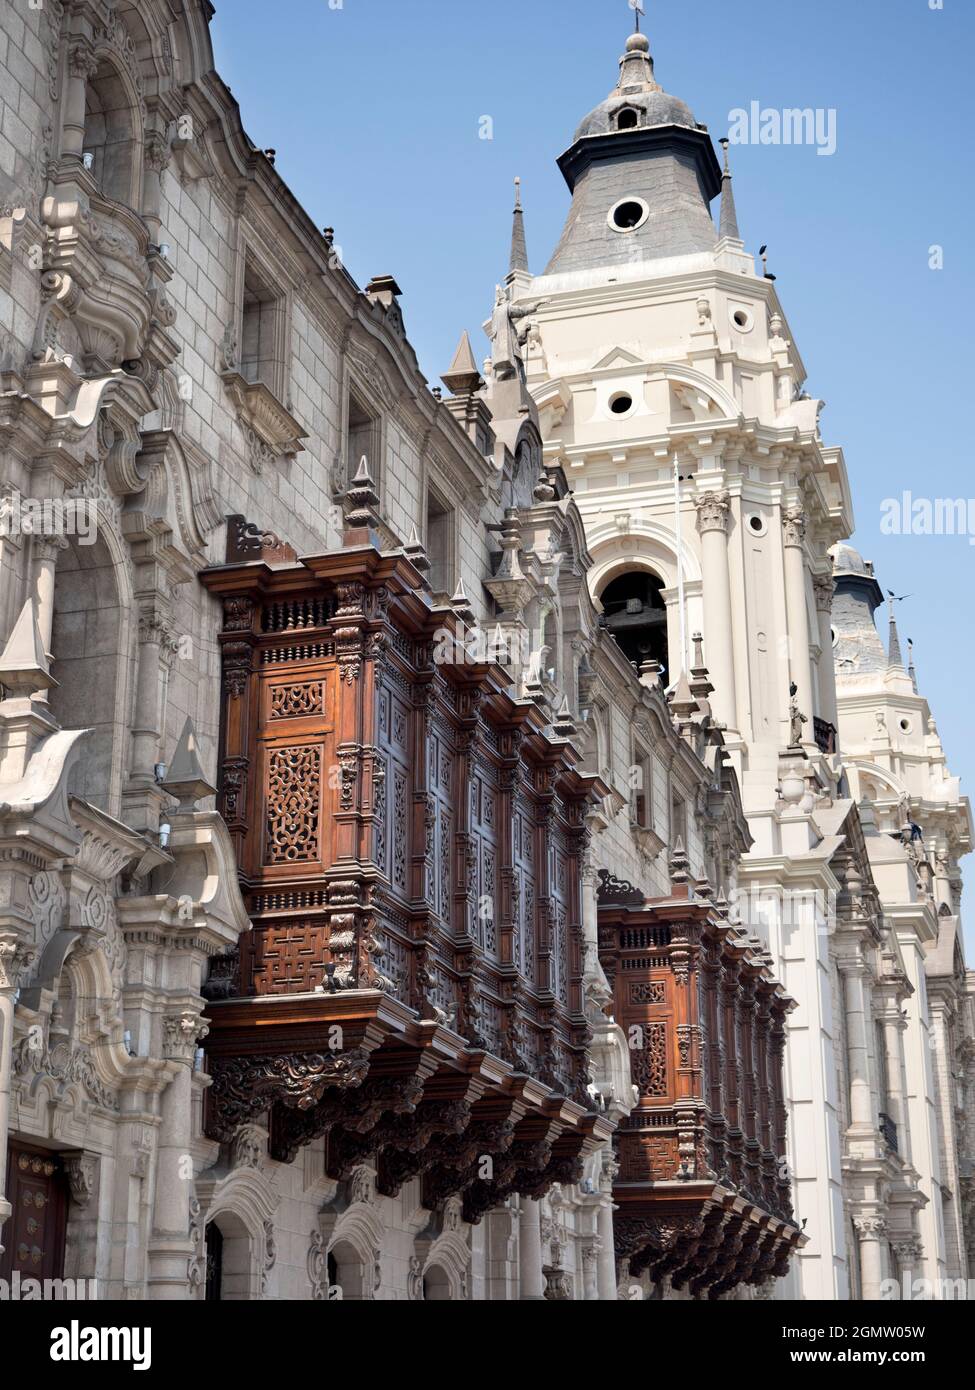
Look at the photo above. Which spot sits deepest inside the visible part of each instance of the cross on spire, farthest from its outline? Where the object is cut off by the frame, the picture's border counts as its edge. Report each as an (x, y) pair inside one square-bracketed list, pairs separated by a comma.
[(637, 7)]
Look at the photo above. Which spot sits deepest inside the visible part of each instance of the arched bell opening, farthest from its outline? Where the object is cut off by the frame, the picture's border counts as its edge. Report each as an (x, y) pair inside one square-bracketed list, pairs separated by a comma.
[(636, 616)]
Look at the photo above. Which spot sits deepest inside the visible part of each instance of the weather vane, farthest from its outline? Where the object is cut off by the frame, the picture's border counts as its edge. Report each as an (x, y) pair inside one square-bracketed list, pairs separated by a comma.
[(637, 7)]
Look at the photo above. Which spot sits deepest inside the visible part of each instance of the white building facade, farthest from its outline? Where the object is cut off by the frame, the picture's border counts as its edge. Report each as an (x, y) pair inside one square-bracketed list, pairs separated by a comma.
[(670, 389)]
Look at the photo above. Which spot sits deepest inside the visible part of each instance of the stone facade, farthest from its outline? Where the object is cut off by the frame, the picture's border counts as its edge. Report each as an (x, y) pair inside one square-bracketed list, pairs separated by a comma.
[(189, 374)]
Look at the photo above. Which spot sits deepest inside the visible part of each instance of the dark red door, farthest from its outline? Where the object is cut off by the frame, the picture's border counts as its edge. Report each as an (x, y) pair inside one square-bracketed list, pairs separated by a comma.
[(33, 1235)]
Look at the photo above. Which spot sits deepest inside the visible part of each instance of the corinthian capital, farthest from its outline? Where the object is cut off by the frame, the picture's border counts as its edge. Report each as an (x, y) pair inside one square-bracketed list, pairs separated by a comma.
[(823, 588), (794, 526), (713, 510), (181, 1033)]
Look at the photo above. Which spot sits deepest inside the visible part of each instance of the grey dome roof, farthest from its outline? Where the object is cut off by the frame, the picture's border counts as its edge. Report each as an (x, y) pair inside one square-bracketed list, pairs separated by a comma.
[(638, 89), (655, 107), (846, 560)]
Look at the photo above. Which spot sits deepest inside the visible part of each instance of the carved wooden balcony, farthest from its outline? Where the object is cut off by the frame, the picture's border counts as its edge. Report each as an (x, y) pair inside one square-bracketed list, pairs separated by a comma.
[(409, 840), (703, 1189)]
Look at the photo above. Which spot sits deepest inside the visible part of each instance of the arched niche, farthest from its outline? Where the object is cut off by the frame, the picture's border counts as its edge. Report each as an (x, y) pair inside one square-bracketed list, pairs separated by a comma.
[(91, 644), (113, 133)]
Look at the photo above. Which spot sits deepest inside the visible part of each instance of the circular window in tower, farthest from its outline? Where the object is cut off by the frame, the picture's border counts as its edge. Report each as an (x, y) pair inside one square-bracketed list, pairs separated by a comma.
[(757, 524), (628, 214), (743, 320), (621, 403)]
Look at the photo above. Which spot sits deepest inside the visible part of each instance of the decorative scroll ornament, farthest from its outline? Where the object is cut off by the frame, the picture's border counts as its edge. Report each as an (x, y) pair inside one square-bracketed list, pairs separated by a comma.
[(244, 1087)]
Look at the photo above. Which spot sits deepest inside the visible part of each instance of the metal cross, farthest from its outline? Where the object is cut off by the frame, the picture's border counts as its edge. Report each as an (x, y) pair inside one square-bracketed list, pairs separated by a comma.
[(637, 7)]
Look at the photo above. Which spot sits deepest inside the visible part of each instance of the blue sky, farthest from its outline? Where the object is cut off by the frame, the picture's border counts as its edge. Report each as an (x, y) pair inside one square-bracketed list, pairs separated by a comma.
[(374, 108)]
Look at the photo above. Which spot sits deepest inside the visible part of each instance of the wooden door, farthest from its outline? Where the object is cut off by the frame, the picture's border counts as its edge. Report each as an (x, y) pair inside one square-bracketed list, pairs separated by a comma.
[(33, 1235)]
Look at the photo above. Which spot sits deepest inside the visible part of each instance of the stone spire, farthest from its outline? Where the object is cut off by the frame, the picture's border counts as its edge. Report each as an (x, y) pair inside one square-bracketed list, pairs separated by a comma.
[(894, 649), (519, 247), (910, 664), (729, 214)]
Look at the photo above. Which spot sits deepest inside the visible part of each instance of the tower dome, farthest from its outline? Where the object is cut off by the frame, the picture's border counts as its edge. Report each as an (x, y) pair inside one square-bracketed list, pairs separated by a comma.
[(637, 91), (642, 172)]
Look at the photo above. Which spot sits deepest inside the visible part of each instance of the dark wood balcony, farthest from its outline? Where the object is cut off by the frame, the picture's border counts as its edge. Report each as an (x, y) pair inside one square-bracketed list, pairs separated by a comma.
[(409, 839), (703, 1189)]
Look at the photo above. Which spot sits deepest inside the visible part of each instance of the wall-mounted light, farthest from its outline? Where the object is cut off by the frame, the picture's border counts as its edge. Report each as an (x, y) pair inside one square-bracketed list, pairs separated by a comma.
[(159, 771), (165, 250), (88, 159), (198, 1059), (165, 831), (127, 1042)]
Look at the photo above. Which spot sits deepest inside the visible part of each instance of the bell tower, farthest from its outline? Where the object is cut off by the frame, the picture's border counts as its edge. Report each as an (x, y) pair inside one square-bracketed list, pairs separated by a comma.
[(669, 389)]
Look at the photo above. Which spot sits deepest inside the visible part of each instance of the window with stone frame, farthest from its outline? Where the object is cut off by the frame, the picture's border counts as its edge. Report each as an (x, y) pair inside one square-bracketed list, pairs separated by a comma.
[(678, 819), (263, 335), (363, 435), (439, 541), (641, 787)]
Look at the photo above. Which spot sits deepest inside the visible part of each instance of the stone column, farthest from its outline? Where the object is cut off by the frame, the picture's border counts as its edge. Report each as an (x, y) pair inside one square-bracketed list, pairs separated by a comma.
[(713, 510), (44, 554), (909, 1255), (154, 635), (607, 1250), (530, 1251), (82, 65), (156, 158), (794, 534), (8, 976), (823, 589), (171, 1246), (894, 1026), (853, 973), (871, 1234)]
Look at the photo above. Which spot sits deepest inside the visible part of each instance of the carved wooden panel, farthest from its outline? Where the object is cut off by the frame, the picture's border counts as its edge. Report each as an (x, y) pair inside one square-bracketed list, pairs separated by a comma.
[(293, 804)]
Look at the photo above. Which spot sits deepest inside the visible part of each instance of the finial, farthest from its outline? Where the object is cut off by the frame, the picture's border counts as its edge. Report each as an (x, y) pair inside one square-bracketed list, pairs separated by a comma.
[(678, 864), (564, 726), (461, 604), (184, 778), (363, 498), (462, 377), (416, 553), (729, 213), (910, 664), (24, 671), (637, 7)]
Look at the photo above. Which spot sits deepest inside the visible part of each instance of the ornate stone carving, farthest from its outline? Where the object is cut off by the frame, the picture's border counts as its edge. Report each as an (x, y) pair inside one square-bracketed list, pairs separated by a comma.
[(713, 511), (82, 1173), (182, 1034), (794, 526)]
